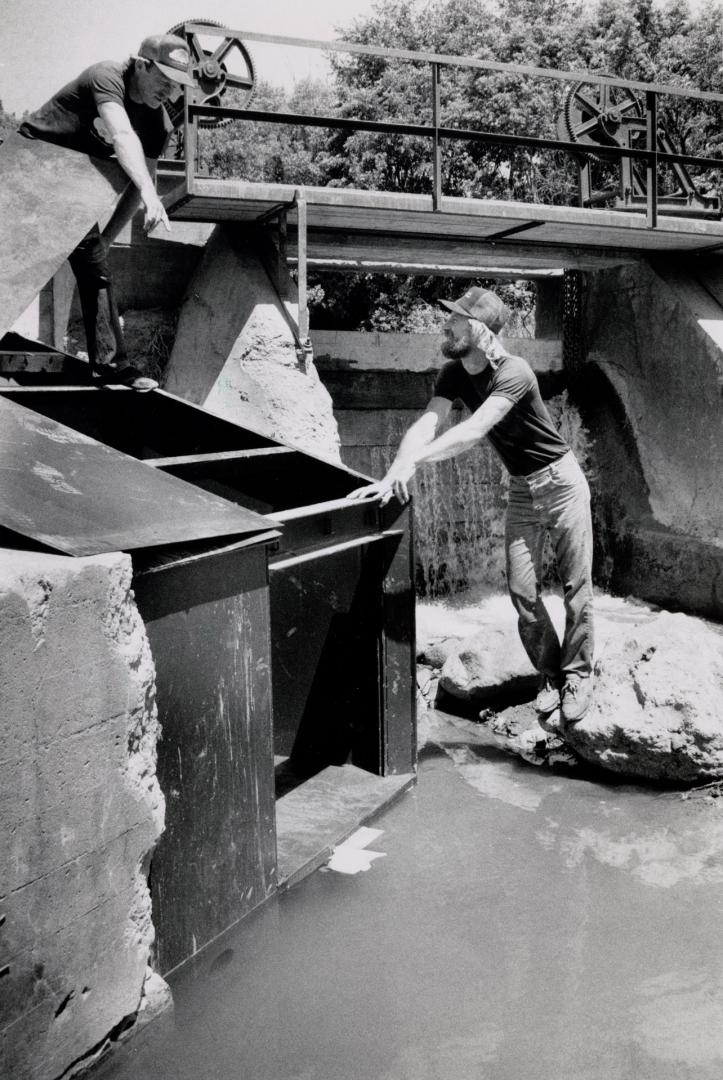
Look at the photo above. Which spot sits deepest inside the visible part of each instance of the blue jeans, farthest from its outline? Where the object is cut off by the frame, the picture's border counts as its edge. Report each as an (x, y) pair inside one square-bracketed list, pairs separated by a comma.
[(555, 499)]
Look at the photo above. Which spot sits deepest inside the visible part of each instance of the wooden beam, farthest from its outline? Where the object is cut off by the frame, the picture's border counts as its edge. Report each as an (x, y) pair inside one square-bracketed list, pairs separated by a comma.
[(429, 269), (331, 244), (223, 455)]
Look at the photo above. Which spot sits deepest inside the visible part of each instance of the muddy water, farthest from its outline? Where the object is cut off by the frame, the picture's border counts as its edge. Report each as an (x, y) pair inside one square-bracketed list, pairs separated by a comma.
[(522, 925)]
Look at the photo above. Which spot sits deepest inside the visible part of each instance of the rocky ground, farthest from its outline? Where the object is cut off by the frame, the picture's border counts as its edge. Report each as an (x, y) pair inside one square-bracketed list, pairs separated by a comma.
[(658, 709)]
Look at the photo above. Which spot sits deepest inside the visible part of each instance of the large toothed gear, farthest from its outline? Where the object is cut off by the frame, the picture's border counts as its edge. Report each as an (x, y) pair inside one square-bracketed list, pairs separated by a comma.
[(219, 64), (595, 114)]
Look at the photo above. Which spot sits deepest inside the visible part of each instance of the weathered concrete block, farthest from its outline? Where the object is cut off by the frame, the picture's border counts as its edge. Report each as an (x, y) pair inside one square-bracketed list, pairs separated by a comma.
[(80, 807), (654, 333)]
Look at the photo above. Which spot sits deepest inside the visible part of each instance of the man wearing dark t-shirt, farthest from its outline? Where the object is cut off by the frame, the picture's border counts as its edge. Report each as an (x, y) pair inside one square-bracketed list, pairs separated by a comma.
[(117, 109), (548, 491)]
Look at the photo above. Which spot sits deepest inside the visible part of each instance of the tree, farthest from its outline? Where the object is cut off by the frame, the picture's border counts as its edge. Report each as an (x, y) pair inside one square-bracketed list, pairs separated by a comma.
[(8, 123)]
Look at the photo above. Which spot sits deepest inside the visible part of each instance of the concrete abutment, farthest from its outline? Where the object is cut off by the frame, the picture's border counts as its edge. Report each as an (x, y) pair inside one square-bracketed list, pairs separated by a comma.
[(82, 809)]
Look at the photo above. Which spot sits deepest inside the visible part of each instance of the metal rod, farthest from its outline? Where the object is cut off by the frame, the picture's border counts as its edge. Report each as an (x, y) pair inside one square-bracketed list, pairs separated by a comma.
[(331, 549), (651, 105), (301, 267), (522, 227), (492, 137), (189, 141), (436, 147), (455, 61)]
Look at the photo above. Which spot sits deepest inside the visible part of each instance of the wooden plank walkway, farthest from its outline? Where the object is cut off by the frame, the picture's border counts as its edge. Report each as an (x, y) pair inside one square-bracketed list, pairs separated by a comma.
[(356, 229)]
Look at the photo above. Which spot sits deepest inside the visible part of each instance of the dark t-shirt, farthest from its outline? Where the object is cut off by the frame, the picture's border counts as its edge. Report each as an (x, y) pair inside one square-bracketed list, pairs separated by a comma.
[(71, 117), (526, 438)]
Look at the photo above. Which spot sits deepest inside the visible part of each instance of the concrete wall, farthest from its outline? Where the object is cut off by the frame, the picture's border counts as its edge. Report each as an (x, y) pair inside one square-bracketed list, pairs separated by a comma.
[(651, 392), (80, 809)]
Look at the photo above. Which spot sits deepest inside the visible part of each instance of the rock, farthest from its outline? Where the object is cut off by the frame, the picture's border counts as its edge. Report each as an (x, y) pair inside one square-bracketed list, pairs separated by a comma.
[(426, 680), (658, 708), (488, 665), (435, 654)]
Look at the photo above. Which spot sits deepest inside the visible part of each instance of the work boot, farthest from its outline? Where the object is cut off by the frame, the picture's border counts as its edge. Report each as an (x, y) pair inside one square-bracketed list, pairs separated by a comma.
[(576, 697), (548, 694)]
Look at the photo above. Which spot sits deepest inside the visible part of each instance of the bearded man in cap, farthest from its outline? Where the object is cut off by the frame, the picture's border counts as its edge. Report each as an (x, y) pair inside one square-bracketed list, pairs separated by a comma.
[(116, 109), (548, 491)]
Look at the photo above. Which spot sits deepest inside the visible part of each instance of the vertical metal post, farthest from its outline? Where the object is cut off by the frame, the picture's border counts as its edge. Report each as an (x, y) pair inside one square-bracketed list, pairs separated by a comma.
[(651, 102), (281, 253), (190, 141), (436, 149), (300, 200)]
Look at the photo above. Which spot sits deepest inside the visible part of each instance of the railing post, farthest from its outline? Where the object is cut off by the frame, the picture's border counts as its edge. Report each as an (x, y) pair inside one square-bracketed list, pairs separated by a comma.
[(300, 200), (651, 103), (436, 148), (190, 140)]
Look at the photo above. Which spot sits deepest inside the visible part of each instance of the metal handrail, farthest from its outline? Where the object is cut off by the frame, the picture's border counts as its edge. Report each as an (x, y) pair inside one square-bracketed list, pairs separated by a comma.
[(651, 156)]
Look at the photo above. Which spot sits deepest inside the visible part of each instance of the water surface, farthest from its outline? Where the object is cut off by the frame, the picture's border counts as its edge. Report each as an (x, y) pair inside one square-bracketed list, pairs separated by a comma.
[(522, 925)]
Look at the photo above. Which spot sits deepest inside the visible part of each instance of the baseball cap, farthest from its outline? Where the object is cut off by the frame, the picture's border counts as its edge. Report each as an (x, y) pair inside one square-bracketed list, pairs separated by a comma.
[(171, 55), (481, 304)]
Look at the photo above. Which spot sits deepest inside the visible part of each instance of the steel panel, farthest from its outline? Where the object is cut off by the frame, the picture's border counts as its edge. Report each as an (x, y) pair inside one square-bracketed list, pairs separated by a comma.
[(208, 626), (76, 495), (49, 197)]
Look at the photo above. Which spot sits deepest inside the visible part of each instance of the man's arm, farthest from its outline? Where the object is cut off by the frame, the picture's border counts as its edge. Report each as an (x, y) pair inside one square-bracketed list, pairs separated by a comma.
[(127, 205), (465, 435), (416, 438), (129, 151), (420, 445)]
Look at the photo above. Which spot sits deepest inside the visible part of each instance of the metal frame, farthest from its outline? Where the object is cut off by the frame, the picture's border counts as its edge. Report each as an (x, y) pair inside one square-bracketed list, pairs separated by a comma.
[(651, 156)]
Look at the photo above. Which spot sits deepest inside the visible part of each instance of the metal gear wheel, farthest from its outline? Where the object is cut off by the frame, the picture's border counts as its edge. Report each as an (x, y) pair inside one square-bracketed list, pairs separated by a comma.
[(219, 64)]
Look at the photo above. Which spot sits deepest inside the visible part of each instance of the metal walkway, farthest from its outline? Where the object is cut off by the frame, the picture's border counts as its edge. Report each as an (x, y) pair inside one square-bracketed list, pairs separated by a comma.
[(614, 120), (368, 230)]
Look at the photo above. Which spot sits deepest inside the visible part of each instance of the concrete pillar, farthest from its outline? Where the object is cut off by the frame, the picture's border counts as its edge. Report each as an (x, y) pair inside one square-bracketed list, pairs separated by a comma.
[(236, 353)]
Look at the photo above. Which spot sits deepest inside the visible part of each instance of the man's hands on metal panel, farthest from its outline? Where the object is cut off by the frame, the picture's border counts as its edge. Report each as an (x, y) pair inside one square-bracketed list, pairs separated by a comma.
[(395, 483), (154, 212)]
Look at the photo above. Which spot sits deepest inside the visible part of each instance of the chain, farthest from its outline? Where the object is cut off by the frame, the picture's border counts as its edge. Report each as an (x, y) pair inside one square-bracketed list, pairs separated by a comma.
[(573, 351)]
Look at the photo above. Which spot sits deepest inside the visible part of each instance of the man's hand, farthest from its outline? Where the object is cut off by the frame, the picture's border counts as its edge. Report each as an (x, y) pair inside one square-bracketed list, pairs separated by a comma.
[(154, 211), (396, 483)]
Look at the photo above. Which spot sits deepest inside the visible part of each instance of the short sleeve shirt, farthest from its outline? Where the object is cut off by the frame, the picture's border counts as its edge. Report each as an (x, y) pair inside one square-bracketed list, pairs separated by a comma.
[(71, 117), (526, 438)]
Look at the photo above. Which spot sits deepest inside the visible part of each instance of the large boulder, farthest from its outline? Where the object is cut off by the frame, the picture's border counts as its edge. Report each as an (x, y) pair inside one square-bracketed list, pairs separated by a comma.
[(658, 707)]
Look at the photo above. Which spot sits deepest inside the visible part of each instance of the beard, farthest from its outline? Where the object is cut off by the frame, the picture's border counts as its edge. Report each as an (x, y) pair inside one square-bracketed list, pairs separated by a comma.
[(456, 348)]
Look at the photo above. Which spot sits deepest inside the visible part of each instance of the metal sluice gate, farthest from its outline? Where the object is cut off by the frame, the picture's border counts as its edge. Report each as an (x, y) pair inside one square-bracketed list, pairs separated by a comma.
[(280, 617)]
